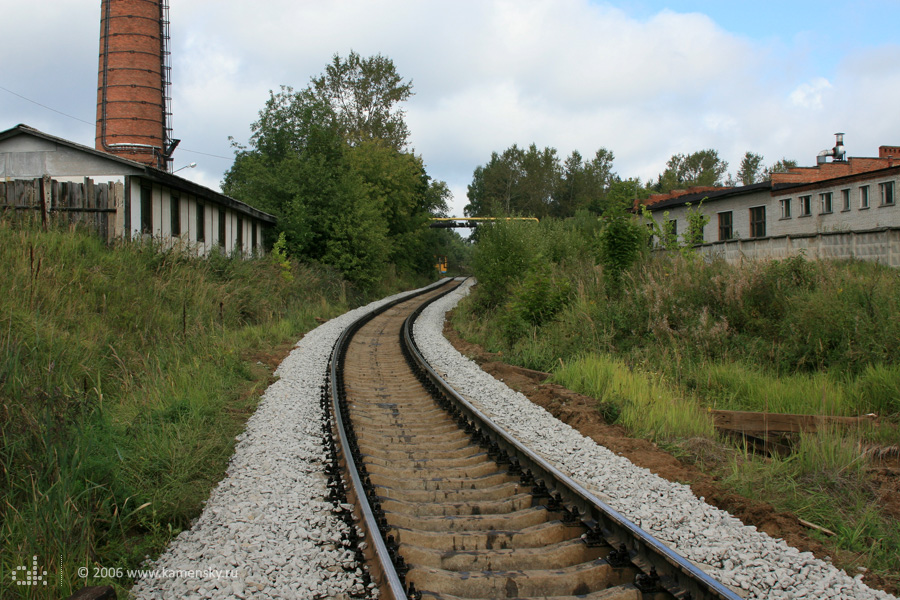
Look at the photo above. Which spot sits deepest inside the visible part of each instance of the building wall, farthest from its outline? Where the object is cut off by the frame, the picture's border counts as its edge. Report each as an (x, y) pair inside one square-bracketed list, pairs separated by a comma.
[(855, 217), (25, 157), (739, 206), (878, 245), (188, 208)]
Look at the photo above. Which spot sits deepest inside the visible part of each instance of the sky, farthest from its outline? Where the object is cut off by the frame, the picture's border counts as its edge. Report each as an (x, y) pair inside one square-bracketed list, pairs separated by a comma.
[(645, 79)]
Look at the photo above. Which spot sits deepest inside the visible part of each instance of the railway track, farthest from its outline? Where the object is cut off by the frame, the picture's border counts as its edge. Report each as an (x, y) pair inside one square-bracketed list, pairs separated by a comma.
[(452, 507)]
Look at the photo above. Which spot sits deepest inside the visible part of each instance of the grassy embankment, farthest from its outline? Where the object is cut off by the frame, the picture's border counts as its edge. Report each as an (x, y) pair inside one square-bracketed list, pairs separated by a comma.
[(125, 375), (674, 336)]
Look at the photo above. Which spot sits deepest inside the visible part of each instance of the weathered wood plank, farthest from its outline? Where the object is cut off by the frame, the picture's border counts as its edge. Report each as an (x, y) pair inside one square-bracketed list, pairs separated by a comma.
[(762, 422), (76, 204)]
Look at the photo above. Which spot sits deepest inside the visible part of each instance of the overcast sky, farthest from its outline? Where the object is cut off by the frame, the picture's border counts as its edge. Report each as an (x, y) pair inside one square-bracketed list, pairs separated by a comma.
[(643, 78)]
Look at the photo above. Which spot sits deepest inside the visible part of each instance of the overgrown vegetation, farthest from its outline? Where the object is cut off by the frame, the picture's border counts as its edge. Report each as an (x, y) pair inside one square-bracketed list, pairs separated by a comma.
[(331, 162), (535, 182), (659, 339), (125, 375)]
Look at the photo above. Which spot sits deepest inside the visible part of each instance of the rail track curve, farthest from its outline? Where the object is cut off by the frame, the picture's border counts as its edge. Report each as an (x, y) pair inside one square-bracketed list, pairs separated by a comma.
[(454, 507)]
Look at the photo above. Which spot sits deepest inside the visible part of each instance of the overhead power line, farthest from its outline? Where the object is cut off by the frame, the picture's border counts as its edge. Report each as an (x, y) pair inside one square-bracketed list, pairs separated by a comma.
[(45, 106), (93, 124), (205, 154)]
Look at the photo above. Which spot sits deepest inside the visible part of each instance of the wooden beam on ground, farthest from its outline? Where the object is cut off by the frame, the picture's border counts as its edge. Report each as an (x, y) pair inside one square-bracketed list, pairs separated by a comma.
[(757, 423)]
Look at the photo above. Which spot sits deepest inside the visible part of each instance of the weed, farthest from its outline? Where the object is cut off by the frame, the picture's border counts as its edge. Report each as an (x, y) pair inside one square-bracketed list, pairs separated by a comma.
[(121, 373), (660, 340)]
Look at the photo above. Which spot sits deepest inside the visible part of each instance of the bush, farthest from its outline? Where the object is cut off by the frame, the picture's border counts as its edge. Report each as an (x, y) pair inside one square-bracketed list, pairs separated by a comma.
[(622, 241), (504, 253), (535, 301)]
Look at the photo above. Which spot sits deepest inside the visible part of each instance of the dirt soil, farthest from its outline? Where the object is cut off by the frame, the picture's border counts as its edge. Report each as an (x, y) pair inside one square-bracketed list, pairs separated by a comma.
[(580, 412)]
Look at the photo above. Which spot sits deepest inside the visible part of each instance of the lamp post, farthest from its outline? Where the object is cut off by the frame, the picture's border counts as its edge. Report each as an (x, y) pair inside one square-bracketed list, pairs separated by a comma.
[(190, 166)]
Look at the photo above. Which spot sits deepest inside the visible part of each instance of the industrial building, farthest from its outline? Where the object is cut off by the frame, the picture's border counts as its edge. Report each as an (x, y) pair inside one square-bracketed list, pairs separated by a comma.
[(845, 207), (151, 202), (127, 177)]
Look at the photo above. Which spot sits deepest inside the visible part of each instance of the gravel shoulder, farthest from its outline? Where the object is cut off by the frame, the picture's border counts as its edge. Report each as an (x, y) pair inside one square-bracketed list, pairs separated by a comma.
[(267, 530), (751, 561)]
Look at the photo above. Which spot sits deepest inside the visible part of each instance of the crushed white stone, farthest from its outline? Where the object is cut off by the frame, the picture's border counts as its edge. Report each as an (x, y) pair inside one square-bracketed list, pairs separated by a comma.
[(751, 562), (267, 531)]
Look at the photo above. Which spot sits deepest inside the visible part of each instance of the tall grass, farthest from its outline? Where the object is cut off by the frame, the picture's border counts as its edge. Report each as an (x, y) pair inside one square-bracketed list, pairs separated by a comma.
[(677, 335), (643, 402), (124, 377)]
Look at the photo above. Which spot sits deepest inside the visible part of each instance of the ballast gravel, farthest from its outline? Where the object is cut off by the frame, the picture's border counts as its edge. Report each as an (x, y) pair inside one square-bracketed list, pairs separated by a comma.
[(751, 562), (267, 530)]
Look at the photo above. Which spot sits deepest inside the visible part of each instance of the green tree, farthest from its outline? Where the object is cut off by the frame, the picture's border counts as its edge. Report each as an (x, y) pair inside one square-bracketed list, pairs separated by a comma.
[(752, 170), (495, 186), (364, 94), (328, 162), (540, 176), (702, 168), (584, 184), (782, 166), (532, 182), (623, 193)]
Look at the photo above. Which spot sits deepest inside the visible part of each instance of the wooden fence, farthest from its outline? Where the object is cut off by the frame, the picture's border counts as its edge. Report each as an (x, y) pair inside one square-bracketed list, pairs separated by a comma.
[(93, 206)]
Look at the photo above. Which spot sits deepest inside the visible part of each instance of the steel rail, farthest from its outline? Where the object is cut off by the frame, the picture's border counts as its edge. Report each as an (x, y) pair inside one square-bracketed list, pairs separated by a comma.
[(661, 564), (392, 581)]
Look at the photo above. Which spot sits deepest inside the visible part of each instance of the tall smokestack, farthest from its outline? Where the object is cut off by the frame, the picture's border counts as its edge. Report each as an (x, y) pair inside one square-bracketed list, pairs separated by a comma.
[(133, 81)]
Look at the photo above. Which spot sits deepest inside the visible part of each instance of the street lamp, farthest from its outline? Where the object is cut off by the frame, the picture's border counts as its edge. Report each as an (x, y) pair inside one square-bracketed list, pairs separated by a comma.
[(190, 166)]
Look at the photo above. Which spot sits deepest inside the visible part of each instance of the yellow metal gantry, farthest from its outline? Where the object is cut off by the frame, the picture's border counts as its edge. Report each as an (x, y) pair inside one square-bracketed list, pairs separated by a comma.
[(447, 222)]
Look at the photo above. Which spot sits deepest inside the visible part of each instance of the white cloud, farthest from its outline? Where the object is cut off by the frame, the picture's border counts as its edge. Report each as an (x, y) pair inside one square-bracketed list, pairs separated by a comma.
[(811, 94), (571, 74)]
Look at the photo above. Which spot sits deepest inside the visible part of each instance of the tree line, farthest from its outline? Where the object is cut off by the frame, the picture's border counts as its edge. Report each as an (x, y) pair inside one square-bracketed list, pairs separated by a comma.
[(331, 161), (536, 182)]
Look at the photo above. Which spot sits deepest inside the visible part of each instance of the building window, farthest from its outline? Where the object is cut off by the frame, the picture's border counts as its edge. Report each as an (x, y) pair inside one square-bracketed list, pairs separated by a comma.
[(201, 223), (240, 235), (725, 231), (147, 210), (222, 227), (845, 197), (805, 206), (786, 208), (887, 193), (758, 221), (175, 214), (252, 236), (827, 203), (672, 228), (864, 196)]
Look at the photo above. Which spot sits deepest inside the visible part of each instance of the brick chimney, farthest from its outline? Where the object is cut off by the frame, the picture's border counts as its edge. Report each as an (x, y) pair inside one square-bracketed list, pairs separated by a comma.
[(889, 152), (133, 79)]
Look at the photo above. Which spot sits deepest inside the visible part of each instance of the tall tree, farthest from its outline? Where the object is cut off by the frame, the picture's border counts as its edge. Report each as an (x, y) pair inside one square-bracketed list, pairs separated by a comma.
[(540, 174), (782, 166), (494, 190), (532, 182), (365, 94), (752, 170), (328, 161), (584, 184), (703, 167)]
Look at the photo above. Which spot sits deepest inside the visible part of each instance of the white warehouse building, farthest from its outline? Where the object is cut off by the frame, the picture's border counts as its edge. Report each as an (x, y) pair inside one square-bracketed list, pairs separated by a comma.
[(143, 201), (845, 208)]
